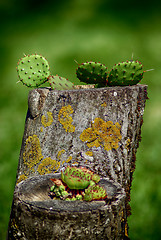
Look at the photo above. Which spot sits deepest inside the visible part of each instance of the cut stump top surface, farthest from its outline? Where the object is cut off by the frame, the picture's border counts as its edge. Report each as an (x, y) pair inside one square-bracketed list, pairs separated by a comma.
[(35, 191)]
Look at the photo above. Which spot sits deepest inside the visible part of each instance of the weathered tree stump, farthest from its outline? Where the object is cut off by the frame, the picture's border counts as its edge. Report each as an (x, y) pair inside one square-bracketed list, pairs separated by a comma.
[(36, 216), (96, 128)]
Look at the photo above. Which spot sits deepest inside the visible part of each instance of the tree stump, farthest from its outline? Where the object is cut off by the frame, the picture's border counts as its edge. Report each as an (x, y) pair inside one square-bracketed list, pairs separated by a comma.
[(36, 216), (96, 128)]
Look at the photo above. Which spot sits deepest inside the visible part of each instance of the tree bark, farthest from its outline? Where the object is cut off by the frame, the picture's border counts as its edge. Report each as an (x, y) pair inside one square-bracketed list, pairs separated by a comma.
[(96, 128)]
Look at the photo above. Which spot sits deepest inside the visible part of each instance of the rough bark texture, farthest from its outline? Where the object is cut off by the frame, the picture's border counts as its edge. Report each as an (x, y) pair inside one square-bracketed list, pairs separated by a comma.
[(96, 128)]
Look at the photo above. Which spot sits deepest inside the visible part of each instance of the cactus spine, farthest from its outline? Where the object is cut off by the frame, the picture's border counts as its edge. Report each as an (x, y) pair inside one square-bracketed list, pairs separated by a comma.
[(60, 83), (33, 70), (126, 73), (92, 73)]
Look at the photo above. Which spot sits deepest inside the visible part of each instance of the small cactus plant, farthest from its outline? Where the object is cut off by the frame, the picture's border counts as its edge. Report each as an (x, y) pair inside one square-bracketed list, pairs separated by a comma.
[(60, 83), (126, 73), (77, 183), (95, 192), (92, 73), (58, 189), (78, 178), (33, 70)]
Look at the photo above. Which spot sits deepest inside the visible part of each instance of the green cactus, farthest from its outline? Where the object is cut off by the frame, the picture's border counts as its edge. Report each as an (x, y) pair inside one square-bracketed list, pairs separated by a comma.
[(59, 191), (78, 178), (60, 83), (81, 184), (33, 70), (95, 192), (79, 197), (92, 73), (126, 73)]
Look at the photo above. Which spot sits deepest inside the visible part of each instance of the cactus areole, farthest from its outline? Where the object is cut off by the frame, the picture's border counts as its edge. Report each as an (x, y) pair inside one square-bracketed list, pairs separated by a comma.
[(79, 178), (126, 73), (33, 70)]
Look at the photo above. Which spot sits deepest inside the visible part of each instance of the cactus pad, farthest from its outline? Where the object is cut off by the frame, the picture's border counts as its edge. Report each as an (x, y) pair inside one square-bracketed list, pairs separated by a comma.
[(95, 192), (33, 70), (78, 178), (60, 83), (92, 73), (126, 73)]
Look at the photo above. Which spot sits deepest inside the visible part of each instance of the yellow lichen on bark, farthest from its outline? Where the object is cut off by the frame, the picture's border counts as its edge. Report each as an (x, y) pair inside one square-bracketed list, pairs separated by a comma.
[(89, 153), (46, 122), (48, 165), (69, 159), (32, 152), (101, 133), (60, 153), (21, 178), (65, 119), (127, 143), (104, 104)]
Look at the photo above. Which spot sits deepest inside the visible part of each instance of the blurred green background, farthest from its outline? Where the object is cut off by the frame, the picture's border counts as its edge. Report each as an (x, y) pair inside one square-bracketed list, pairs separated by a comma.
[(99, 30)]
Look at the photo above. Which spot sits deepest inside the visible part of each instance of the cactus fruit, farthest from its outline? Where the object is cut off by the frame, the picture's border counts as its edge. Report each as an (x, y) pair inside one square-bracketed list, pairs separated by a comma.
[(126, 73), (77, 197), (95, 192), (33, 70), (78, 178), (92, 73), (60, 83)]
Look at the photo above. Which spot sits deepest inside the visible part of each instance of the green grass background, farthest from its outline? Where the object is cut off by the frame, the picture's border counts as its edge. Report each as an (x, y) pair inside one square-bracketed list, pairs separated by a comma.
[(99, 30)]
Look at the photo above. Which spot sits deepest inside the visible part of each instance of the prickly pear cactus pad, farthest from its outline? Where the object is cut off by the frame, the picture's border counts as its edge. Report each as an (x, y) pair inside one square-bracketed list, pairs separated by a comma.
[(78, 178), (92, 73), (60, 83), (33, 70), (126, 74), (95, 192)]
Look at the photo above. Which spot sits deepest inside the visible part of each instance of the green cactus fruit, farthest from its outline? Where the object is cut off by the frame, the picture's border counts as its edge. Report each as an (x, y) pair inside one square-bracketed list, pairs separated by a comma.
[(57, 192), (52, 188), (92, 73), (67, 199), (73, 199), (126, 73), (78, 178), (60, 83), (95, 192), (33, 70), (61, 188), (64, 194), (79, 197)]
